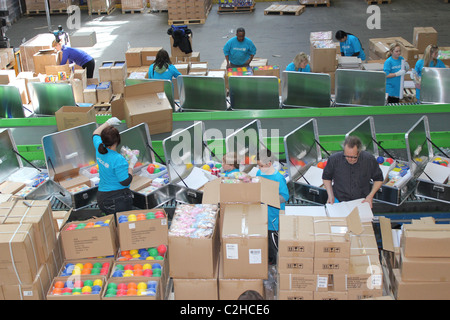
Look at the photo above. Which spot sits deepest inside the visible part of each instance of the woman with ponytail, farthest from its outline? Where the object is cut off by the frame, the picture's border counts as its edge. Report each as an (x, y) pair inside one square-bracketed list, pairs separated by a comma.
[(350, 45), (429, 60), (394, 72), (115, 172)]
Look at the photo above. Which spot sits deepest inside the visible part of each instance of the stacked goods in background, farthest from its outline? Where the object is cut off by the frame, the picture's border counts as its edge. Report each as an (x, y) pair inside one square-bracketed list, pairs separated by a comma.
[(417, 260), (14, 10), (134, 5), (59, 5), (101, 6), (315, 2), (30, 248), (323, 54), (158, 5), (325, 258), (186, 10)]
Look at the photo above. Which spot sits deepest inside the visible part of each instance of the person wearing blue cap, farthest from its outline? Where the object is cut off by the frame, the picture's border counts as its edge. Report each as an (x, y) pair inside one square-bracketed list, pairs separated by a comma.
[(350, 45)]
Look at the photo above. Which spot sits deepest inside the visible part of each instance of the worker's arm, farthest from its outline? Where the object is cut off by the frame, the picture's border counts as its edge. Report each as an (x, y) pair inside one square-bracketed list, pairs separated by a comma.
[(249, 60), (328, 186), (376, 186)]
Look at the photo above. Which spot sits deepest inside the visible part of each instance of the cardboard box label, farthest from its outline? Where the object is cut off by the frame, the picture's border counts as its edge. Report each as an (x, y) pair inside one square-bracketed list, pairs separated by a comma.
[(254, 256), (232, 251)]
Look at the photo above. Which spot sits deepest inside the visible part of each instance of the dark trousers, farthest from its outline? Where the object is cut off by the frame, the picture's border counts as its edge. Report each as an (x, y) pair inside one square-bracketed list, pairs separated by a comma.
[(273, 246), (89, 66), (115, 201), (393, 99)]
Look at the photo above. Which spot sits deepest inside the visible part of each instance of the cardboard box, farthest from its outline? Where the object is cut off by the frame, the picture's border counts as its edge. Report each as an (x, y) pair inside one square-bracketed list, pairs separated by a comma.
[(11, 187), (126, 280), (419, 290), (231, 289), (364, 273), (142, 234), (20, 262), (7, 76), (379, 47), (90, 242), (133, 57), (426, 240), (139, 183), (104, 71), (424, 36), (104, 92), (297, 282), (71, 179), (147, 103), (28, 49), (194, 258), (331, 239), (53, 70), (38, 213), (296, 236), (45, 58), (425, 269), (331, 265), (83, 39), (92, 296), (197, 289), (118, 86), (295, 295), (148, 55), (295, 265), (244, 241), (69, 117), (118, 71), (90, 94), (322, 59), (330, 295)]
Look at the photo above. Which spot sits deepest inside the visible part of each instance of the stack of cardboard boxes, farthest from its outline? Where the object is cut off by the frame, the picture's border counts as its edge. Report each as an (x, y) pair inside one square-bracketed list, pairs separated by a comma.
[(186, 10), (323, 54), (417, 264), (101, 6), (325, 258), (133, 5), (30, 250)]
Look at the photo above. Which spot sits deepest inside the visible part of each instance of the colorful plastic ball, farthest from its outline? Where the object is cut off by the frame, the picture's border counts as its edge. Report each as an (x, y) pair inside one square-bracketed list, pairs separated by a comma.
[(147, 272), (89, 283), (121, 292), (159, 258), (151, 169), (150, 215), (97, 282), (76, 290), (150, 258), (156, 266), (380, 159), (86, 289), (117, 274), (78, 284), (134, 251), (128, 267), (140, 217), (111, 291), (93, 170), (103, 271), (142, 285), (122, 286), (206, 167), (153, 252), (157, 273), (390, 160), (131, 292), (57, 291), (59, 284), (132, 218), (95, 271), (97, 265), (138, 273)]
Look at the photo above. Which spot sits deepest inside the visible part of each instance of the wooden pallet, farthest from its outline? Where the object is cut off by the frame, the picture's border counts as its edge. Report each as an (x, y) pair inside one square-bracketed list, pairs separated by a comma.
[(31, 12), (59, 11), (100, 12), (133, 11), (186, 22), (315, 3), (239, 9), (277, 9), (377, 1)]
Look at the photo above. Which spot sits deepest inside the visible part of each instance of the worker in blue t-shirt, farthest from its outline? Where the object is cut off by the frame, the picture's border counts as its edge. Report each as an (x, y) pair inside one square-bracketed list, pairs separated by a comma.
[(394, 72), (115, 172), (430, 60), (230, 164), (239, 50), (77, 56), (268, 171), (300, 63), (350, 45), (163, 68)]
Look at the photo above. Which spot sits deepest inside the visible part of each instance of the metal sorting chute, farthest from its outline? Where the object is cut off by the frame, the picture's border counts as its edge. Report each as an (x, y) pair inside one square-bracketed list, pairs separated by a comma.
[(303, 153), (434, 85), (138, 138), (168, 88), (390, 193), (245, 143), (185, 153), (11, 165), (202, 93), (64, 151), (10, 102), (360, 88), (432, 178), (47, 98), (306, 89), (254, 92)]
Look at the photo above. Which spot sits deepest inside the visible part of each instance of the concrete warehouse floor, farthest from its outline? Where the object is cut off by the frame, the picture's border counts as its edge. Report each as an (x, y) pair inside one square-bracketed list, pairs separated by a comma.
[(277, 37)]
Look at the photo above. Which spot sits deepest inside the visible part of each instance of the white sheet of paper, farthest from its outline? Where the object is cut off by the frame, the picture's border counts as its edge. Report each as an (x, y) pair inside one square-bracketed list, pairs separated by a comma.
[(343, 209), (436, 172), (196, 179), (315, 211), (314, 177)]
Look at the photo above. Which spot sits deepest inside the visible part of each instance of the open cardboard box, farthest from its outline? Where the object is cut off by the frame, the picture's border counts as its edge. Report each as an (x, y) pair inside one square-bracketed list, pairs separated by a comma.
[(145, 102)]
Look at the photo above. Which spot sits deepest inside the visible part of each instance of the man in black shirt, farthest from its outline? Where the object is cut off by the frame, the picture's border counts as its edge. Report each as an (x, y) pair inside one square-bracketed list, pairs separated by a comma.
[(348, 173)]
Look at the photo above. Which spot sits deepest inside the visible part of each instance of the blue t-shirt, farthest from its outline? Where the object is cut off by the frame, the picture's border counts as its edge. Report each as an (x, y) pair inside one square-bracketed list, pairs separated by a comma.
[(274, 213), (112, 168), (291, 67), (239, 52), (170, 73), (74, 55), (392, 65), (351, 46), (419, 66)]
